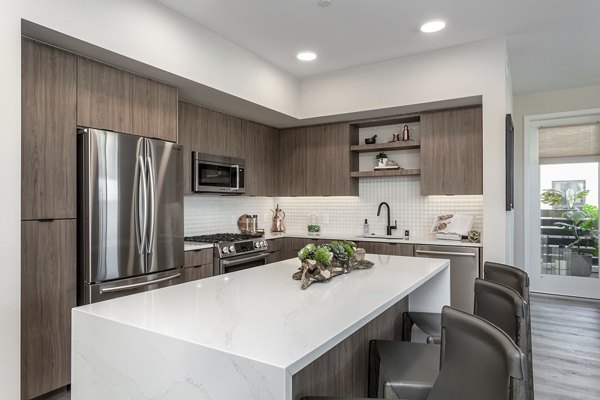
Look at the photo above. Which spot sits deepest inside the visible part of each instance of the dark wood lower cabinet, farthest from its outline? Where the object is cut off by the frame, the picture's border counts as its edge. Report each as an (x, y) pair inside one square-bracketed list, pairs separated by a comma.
[(48, 293), (390, 249), (197, 272), (343, 370), (198, 265)]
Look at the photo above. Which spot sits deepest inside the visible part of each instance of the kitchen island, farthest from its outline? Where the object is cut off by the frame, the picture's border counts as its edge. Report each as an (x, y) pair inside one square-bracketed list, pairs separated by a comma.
[(252, 334)]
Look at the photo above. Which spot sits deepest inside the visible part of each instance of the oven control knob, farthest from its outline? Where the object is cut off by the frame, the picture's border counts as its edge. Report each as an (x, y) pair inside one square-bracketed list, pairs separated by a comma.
[(265, 244), (231, 249), (257, 244), (225, 249)]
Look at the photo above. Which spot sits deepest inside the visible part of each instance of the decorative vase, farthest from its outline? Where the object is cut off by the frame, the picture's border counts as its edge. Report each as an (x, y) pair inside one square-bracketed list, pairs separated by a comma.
[(381, 162)]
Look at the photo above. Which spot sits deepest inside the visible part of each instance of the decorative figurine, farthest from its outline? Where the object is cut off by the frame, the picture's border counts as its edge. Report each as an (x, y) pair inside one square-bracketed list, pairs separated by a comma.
[(405, 134)]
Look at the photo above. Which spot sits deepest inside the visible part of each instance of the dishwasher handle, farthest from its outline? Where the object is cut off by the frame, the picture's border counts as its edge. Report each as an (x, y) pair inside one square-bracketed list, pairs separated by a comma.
[(445, 253)]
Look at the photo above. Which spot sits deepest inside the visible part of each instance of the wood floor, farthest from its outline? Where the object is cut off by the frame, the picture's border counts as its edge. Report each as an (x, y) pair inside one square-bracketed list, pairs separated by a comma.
[(566, 348)]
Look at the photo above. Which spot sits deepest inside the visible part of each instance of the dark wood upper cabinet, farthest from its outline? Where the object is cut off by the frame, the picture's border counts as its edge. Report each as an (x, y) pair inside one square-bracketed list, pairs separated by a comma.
[(260, 149), (48, 144), (48, 293), (452, 152), (154, 109), (293, 148), (329, 161), (116, 100), (188, 137), (316, 161), (104, 97)]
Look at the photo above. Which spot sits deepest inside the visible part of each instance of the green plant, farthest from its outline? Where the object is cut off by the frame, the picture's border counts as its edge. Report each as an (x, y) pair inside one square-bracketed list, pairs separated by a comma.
[(583, 225), (322, 255), (340, 250), (557, 198), (381, 156)]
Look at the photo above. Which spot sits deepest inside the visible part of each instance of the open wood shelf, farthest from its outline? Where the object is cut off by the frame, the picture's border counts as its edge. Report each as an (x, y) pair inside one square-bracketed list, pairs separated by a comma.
[(363, 148), (392, 172)]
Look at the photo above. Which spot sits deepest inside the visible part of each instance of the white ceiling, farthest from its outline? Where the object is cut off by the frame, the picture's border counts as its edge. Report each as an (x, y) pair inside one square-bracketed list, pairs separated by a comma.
[(553, 44)]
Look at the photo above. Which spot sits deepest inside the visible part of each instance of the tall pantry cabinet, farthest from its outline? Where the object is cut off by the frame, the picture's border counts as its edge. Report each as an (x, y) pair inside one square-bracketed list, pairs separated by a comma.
[(48, 213)]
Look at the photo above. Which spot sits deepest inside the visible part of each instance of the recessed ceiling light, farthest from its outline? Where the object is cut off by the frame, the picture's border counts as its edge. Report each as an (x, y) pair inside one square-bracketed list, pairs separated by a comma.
[(325, 3), (434, 25), (306, 56)]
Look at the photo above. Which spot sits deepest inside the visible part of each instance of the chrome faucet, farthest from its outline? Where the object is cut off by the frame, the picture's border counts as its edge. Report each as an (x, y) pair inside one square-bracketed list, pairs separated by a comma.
[(388, 227)]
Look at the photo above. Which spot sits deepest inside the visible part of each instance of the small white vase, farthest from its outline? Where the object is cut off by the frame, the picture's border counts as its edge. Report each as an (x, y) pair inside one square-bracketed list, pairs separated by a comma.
[(382, 162)]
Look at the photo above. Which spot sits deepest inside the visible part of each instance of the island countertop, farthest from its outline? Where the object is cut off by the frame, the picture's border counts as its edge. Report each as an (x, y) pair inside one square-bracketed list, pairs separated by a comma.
[(258, 315)]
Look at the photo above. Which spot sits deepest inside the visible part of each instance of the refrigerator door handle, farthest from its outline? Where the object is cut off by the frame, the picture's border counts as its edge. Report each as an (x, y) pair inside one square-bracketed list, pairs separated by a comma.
[(139, 284), (152, 197), (142, 209)]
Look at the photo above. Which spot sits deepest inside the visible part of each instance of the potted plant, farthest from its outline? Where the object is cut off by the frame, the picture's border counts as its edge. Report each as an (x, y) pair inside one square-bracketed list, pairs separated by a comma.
[(581, 222), (381, 159), (583, 225)]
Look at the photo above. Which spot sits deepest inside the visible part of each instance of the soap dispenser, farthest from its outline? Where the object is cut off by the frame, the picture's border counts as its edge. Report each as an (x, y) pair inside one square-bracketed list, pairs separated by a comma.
[(366, 228)]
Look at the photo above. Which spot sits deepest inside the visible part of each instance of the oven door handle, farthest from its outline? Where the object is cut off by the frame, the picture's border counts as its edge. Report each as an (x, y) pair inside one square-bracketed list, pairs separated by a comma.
[(227, 263)]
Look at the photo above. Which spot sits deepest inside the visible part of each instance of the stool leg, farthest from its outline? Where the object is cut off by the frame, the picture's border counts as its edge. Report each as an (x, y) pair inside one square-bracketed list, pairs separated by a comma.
[(407, 325), (374, 361)]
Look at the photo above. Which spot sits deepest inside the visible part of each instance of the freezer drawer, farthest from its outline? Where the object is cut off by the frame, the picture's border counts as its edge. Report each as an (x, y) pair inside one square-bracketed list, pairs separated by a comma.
[(124, 287), (464, 268)]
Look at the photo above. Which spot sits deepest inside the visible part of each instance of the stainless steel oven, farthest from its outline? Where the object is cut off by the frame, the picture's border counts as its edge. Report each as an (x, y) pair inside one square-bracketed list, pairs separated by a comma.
[(238, 263), (216, 174), (234, 251)]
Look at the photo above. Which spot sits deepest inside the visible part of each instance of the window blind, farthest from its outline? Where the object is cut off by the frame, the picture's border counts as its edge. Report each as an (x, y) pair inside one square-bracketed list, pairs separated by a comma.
[(569, 141)]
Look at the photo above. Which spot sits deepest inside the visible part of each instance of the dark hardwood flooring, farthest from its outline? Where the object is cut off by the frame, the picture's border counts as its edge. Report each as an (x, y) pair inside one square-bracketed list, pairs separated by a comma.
[(566, 348)]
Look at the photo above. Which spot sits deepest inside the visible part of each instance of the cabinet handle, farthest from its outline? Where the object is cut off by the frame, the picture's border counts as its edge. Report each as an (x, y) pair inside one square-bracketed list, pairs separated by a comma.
[(445, 253), (46, 220)]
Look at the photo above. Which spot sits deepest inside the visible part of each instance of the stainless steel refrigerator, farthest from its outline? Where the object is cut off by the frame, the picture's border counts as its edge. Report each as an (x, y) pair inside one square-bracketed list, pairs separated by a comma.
[(130, 214)]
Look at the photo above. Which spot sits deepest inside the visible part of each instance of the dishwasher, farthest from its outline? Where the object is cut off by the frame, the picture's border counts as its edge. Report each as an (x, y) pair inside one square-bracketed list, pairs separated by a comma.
[(464, 268)]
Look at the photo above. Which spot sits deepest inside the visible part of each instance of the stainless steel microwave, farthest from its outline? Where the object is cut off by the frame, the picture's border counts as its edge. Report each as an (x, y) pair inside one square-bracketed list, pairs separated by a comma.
[(217, 174)]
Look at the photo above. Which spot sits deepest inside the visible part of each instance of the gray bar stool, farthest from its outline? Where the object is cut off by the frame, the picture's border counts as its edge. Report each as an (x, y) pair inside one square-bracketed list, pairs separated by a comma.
[(496, 272), (519, 280), (409, 369), (478, 361)]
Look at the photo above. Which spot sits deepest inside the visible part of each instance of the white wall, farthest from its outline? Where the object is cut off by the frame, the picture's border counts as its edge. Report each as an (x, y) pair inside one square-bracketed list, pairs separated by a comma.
[(10, 202), (469, 70), (533, 104)]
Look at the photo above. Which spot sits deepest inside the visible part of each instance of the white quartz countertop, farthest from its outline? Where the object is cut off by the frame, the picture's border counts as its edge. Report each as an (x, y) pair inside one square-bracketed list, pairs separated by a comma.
[(191, 246), (261, 314), (372, 238)]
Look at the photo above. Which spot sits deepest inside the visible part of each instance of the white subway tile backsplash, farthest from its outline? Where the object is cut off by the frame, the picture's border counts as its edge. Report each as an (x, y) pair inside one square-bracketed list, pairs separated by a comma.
[(345, 215)]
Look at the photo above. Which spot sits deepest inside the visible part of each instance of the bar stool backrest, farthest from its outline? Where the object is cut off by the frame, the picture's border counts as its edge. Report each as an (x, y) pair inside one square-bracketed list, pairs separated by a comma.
[(517, 279), (479, 361), (509, 276)]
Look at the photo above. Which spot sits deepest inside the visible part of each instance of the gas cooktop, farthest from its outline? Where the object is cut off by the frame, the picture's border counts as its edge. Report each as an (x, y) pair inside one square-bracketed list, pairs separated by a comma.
[(221, 237)]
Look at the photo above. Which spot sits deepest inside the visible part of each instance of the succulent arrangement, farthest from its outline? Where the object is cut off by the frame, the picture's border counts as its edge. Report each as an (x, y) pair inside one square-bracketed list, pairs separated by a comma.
[(321, 263), (338, 250)]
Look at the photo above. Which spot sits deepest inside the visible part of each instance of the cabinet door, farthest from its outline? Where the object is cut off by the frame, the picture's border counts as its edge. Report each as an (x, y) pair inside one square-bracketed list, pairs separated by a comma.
[(452, 152), (392, 249), (104, 97), (188, 133), (48, 292), (197, 272), (275, 256), (260, 146), (220, 134), (154, 109), (292, 171), (329, 160), (48, 141)]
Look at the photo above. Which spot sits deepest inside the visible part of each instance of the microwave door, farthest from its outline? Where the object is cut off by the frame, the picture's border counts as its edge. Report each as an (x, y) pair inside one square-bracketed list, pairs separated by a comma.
[(213, 177), (165, 206)]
